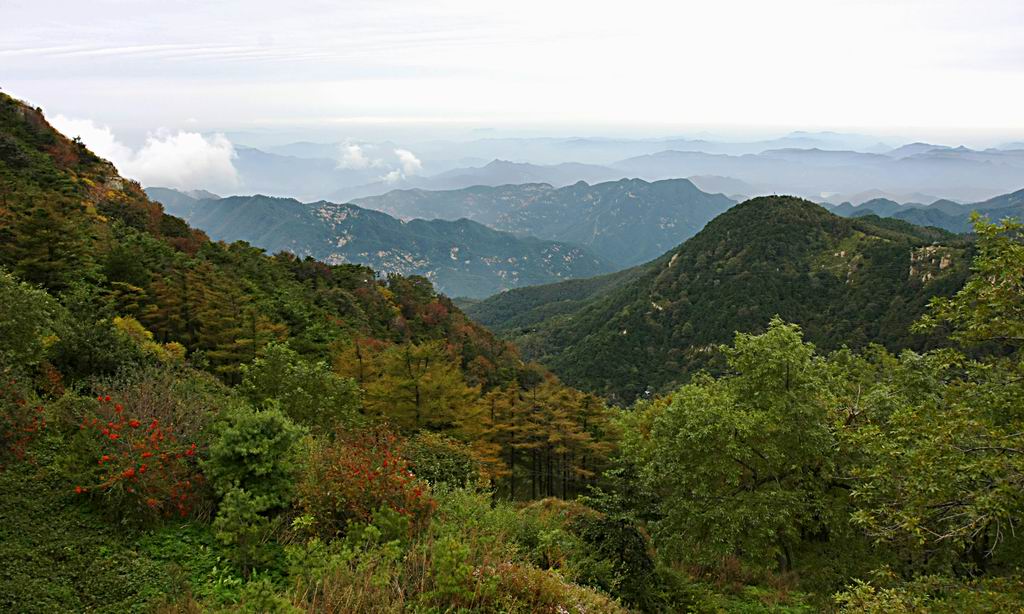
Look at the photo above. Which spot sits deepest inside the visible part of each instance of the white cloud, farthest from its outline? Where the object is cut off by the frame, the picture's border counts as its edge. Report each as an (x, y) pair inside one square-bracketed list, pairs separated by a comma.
[(353, 157), (100, 139), (185, 160), (411, 165), (393, 177)]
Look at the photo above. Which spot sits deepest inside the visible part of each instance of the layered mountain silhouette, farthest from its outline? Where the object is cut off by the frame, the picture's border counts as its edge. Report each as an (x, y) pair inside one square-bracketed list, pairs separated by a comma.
[(945, 214), (625, 222), (462, 257)]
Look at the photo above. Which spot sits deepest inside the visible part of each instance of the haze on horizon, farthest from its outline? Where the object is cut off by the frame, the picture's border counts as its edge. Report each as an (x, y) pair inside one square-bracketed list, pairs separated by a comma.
[(952, 69), (168, 89)]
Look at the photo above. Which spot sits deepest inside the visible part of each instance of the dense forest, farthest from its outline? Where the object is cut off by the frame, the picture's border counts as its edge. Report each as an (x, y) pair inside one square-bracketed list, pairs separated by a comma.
[(188, 425)]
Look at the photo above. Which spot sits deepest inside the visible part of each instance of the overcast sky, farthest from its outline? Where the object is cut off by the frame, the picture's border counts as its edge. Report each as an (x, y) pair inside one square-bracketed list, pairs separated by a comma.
[(952, 69)]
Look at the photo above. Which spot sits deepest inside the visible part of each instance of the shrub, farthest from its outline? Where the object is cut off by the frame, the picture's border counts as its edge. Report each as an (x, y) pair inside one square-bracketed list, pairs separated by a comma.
[(167, 353), (358, 574), (183, 399), (89, 344), (452, 576), (260, 596), (252, 466), (605, 551), (886, 593), (241, 525), (28, 316), (20, 421), (139, 464), (255, 451), (350, 479), (442, 460), (309, 392)]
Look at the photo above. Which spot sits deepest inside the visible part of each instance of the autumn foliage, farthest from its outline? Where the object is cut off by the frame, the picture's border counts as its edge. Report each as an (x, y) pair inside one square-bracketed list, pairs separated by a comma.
[(20, 422), (140, 461), (356, 475)]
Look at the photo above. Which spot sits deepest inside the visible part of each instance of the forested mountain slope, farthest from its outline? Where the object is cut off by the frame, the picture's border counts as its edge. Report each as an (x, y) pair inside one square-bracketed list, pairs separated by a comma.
[(167, 402), (845, 281), (461, 257)]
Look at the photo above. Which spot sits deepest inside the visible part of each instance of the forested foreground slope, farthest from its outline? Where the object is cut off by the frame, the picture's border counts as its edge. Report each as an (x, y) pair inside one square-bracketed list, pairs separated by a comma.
[(191, 426), (845, 281)]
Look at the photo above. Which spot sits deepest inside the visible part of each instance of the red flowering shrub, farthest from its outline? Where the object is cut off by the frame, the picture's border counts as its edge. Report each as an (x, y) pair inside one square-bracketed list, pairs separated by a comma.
[(357, 474), (20, 422), (142, 462)]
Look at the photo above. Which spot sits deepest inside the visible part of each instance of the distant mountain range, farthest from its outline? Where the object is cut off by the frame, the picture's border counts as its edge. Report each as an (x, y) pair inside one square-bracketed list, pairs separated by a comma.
[(462, 257), (819, 166), (625, 222), (945, 214), (494, 173), (956, 173), (845, 281)]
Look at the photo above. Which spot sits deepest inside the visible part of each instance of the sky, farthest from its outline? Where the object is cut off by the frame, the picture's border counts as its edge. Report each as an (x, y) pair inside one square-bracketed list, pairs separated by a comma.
[(946, 70)]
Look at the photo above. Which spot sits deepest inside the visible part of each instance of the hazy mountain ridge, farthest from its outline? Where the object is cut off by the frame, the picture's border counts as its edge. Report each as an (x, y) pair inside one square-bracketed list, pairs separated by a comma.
[(813, 165), (625, 222), (945, 214), (959, 173), (463, 258)]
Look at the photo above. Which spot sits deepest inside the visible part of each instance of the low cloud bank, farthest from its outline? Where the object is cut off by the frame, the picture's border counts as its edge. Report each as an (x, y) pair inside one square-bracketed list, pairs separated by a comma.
[(183, 160), (396, 164)]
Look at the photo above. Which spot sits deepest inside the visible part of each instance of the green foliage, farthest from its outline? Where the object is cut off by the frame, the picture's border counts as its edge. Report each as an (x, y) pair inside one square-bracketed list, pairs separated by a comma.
[(255, 450), (59, 555), (28, 322), (242, 526), (886, 594), (309, 393), (441, 460), (743, 463), (989, 309), (261, 596), (90, 345), (450, 573)]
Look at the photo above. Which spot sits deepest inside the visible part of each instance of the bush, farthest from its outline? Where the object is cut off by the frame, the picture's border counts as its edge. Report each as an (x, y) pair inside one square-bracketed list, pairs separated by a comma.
[(140, 465), (442, 460), (241, 525), (361, 573), (608, 552), (309, 392), (89, 344), (886, 593), (350, 479), (20, 421), (28, 318), (255, 451)]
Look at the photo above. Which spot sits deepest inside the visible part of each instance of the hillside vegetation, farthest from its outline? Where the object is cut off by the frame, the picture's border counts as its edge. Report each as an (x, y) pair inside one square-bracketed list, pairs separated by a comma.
[(189, 426), (845, 281)]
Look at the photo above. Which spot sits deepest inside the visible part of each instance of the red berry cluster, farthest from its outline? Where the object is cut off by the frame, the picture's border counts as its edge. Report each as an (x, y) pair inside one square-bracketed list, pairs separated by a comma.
[(359, 474), (146, 463), (19, 422)]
